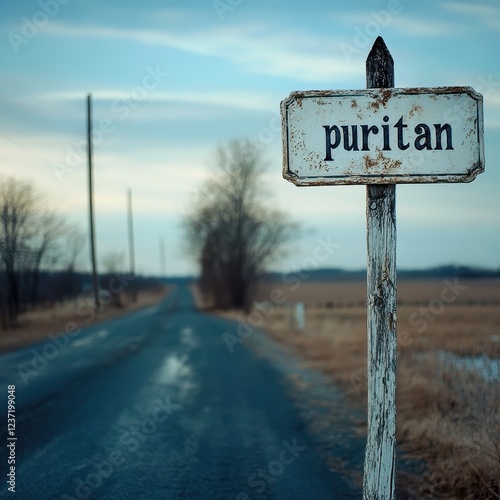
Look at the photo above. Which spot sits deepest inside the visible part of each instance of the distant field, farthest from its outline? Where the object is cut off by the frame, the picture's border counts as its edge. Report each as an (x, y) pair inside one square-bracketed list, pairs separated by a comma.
[(462, 316), (448, 416), (350, 293)]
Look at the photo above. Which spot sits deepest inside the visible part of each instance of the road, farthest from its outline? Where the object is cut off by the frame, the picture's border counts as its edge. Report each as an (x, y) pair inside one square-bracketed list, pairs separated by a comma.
[(154, 405)]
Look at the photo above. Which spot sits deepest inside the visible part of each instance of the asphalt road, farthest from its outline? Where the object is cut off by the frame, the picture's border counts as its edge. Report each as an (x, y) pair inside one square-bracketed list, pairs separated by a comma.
[(155, 406)]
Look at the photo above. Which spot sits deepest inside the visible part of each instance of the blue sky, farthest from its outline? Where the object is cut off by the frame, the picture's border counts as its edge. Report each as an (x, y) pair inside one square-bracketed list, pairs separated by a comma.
[(172, 80)]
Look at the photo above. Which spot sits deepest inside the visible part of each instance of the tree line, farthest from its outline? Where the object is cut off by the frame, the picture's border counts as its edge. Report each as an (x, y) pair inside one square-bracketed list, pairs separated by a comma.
[(33, 240)]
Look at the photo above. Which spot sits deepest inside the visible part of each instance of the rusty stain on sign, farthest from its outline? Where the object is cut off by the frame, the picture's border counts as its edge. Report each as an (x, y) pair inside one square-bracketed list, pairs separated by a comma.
[(385, 136), (380, 162), (384, 96)]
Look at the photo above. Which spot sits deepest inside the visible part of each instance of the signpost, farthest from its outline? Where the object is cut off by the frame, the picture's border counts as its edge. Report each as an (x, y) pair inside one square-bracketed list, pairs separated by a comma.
[(382, 137)]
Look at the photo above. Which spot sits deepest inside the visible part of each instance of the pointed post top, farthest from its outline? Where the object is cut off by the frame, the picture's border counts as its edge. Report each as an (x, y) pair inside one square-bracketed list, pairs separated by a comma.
[(379, 66)]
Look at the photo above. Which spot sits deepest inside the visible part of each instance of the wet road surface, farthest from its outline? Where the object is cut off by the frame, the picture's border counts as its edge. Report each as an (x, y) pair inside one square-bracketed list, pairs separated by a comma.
[(155, 406)]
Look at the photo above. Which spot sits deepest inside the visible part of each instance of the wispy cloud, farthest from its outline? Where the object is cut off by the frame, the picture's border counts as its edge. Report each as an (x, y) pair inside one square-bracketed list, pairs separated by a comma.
[(418, 26), (251, 101), (488, 15), (257, 48), (154, 171)]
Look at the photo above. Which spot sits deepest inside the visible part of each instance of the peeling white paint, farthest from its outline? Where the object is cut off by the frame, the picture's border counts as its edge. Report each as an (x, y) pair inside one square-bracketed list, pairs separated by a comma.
[(388, 151), (382, 343)]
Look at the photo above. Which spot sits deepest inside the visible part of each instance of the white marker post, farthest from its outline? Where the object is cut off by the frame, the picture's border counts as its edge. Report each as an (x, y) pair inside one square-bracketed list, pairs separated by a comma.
[(300, 316), (381, 137)]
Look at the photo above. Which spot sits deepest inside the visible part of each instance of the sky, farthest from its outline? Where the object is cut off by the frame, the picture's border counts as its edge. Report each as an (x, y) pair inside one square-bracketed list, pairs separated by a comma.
[(171, 81)]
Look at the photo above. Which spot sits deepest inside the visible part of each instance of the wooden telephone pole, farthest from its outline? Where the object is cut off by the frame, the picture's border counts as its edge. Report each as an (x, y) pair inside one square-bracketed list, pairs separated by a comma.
[(162, 257), (91, 202), (131, 251)]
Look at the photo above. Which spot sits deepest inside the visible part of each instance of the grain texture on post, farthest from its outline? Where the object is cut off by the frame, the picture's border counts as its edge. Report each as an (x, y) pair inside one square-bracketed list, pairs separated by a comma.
[(379, 469)]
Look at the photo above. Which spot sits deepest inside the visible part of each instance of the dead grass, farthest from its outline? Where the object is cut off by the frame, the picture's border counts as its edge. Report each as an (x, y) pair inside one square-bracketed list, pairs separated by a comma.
[(34, 326), (448, 417), (410, 291), (451, 419)]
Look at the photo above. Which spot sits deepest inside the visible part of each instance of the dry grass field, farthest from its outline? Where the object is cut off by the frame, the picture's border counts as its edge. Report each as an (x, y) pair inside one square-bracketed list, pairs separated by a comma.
[(34, 326), (448, 408)]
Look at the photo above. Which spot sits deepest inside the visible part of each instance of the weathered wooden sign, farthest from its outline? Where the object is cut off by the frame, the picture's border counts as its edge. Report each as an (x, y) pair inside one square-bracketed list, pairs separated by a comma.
[(383, 136)]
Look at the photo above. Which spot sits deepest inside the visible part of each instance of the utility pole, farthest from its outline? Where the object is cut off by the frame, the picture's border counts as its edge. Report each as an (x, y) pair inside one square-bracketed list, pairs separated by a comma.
[(162, 257), (131, 241), (91, 201)]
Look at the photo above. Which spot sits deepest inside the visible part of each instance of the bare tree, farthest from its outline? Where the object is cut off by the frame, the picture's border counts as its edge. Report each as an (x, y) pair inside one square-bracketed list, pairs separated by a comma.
[(68, 282), (18, 201), (231, 231), (30, 240), (46, 247)]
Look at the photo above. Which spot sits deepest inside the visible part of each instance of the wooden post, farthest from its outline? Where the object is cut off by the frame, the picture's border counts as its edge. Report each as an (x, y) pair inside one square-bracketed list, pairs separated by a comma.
[(131, 253), (91, 202), (130, 233), (162, 257), (379, 469)]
